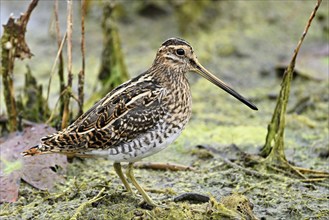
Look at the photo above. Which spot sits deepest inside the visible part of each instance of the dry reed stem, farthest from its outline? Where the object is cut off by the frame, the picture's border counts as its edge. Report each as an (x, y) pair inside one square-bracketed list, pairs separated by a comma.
[(59, 52), (67, 96), (61, 60), (276, 126), (81, 75)]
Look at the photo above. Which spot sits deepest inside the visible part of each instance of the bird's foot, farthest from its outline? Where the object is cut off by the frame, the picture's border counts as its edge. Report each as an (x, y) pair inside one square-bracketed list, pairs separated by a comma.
[(149, 206), (132, 194)]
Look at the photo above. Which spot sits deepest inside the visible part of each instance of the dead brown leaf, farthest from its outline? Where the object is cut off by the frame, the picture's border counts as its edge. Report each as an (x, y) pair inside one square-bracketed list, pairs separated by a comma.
[(42, 172)]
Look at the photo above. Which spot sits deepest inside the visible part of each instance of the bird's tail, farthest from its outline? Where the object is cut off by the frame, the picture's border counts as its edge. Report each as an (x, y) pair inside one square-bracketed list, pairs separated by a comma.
[(36, 150), (44, 149), (47, 145)]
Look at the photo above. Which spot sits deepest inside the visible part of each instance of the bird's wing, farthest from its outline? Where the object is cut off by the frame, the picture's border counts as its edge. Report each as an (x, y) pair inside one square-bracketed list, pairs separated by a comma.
[(116, 105), (125, 113)]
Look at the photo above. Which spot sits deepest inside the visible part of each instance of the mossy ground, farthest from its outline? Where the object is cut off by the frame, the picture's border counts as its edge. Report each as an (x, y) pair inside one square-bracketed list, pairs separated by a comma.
[(242, 44)]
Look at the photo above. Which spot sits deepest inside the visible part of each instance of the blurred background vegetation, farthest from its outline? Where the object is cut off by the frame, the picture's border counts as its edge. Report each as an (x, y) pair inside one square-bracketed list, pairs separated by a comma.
[(248, 44), (229, 37)]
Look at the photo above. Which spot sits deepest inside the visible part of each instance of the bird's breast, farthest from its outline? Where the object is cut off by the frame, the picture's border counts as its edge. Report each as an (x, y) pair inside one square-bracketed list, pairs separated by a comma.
[(179, 104)]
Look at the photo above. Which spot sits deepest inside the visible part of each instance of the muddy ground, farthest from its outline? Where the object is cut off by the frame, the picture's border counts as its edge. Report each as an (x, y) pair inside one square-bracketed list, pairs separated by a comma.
[(242, 42)]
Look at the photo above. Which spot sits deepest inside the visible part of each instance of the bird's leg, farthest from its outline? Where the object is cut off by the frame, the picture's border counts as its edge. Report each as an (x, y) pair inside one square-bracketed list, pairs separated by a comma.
[(118, 170), (131, 177)]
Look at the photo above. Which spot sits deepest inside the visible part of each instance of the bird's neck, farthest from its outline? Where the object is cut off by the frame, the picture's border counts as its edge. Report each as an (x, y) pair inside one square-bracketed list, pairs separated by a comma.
[(168, 77), (176, 85)]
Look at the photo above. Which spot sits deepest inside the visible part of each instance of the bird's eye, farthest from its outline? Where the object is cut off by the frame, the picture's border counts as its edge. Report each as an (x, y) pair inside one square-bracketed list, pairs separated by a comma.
[(180, 52)]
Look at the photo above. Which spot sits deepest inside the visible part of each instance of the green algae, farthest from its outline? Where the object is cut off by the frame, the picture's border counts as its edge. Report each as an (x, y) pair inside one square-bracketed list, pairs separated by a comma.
[(11, 167), (237, 48)]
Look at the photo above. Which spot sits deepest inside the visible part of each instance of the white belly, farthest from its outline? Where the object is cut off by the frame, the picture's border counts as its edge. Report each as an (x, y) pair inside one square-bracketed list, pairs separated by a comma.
[(123, 153)]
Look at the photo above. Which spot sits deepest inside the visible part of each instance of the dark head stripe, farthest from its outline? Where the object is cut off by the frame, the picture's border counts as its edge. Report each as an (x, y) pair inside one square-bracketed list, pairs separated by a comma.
[(175, 41)]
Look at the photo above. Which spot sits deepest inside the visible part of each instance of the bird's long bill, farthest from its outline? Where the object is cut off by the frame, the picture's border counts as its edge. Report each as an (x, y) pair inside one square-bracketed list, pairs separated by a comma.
[(209, 76)]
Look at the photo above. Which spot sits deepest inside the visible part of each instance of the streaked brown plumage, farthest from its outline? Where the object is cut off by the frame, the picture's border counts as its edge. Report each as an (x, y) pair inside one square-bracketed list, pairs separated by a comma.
[(138, 118)]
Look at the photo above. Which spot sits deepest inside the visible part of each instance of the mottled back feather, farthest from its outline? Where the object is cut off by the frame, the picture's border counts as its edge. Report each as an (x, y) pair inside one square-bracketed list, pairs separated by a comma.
[(116, 118)]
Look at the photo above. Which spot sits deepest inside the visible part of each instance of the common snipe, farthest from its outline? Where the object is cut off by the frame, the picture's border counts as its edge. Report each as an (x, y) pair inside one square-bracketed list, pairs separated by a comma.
[(140, 117)]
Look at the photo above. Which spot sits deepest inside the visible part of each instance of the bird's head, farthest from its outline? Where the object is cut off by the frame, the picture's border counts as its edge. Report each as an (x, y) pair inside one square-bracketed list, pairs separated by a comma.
[(178, 56)]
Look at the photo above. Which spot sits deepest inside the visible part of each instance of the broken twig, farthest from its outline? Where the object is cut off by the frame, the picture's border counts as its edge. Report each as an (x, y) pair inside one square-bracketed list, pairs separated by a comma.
[(13, 45), (85, 204), (163, 166)]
